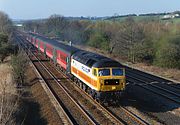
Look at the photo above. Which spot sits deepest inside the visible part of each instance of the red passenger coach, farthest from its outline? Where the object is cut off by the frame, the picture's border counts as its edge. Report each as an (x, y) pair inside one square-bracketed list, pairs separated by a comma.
[(42, 46), (57, 51), (36, 43), (33, 40), (61, 58), (49, 50)]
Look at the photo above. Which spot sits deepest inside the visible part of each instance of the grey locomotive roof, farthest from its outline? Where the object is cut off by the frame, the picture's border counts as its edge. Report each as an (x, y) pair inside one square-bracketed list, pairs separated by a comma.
[(68, 49), (95, 60)]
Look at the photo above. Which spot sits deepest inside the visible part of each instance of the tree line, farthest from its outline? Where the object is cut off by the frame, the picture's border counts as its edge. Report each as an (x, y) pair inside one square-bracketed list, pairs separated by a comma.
[(149, 41), (9, 47), (6, 30), (12, 76)]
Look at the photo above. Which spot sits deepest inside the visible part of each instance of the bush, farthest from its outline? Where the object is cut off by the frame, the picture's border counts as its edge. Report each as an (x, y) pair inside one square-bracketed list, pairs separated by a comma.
[(19, 64), (168, 54), (98, 40), (3, 38), (144, 52)]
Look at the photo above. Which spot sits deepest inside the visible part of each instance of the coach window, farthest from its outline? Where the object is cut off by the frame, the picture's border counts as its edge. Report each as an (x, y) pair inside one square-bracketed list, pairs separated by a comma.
[(67, 60), (95, 72)]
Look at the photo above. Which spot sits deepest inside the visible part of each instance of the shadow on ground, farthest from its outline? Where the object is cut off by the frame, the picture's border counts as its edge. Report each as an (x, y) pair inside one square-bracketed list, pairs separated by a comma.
[(146, 100), (29, 113), (157, 107)]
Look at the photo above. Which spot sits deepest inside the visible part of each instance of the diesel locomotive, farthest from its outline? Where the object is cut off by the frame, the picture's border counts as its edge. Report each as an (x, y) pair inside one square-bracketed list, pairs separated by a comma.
[(103, 78)]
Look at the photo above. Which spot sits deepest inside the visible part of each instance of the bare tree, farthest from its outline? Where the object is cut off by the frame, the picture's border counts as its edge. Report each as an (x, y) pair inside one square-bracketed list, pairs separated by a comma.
[(131, 35), (56, 23), (5, 23), (8, 97)]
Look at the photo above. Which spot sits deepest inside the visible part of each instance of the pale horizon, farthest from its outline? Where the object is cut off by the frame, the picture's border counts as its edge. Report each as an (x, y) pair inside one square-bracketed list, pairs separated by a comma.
[(21, 9)]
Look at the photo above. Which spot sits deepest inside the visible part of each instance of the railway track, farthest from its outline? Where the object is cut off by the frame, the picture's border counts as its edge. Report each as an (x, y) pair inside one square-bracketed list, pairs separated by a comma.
[(154, 79), (161, 94), (108, 119), (119, 112), (147, 75), (123, 112), (72, 112), (161, 89), (167, 86), (65, 119), (105, 118), (70, 105), (130, 117)]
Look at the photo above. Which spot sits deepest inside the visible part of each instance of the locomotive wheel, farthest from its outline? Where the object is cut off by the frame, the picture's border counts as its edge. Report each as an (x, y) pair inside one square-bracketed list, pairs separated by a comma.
[(81, 85), (71, 76), (76, 81), (84, 87), (88, 90), (93, 94)]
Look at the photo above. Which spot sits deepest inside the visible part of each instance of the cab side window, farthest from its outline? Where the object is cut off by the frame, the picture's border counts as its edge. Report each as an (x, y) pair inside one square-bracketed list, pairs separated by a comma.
[(94, 72)]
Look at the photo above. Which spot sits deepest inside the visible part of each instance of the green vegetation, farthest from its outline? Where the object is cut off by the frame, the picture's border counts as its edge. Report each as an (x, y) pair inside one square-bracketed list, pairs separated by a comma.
[(168, 54), (103, 41), (144, 38), (18, 61), (5, 47), (9, 95), (6, 30), (19, 65)]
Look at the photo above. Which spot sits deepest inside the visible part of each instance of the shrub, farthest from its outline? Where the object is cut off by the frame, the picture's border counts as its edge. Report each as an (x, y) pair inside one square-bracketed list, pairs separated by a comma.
[(168, 54), (19, 64), (3, 38), (98, 40)]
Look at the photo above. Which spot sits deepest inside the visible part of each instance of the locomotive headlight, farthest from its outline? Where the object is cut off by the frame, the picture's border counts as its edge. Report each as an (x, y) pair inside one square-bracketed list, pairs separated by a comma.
[(113, 87)]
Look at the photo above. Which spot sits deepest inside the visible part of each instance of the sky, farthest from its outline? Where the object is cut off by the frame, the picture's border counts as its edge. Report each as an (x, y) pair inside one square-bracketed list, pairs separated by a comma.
[(35, 9)]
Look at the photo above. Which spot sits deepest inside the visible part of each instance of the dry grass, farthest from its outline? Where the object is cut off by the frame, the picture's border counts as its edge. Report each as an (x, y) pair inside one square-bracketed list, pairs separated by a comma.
[(6, 81), (173, 74), (8, 95), (30, 106)]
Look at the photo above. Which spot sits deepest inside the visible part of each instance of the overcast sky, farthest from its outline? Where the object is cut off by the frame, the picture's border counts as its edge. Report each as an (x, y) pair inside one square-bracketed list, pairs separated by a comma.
[(33, 9)]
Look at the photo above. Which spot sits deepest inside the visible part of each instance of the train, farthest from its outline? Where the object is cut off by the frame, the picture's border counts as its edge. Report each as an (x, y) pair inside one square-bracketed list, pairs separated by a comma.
[(101, 77)]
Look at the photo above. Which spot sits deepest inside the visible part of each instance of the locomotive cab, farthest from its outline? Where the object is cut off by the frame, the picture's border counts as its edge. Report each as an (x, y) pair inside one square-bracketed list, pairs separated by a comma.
[(110, 79)]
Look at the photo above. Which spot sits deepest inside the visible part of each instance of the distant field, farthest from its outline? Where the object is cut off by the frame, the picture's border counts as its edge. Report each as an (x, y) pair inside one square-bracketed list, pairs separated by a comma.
[(147, 18), (175, 20)]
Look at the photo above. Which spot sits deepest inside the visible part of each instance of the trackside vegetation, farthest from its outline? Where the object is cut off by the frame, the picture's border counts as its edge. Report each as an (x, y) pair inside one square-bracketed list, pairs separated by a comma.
[(152, 41), (19, 64), (6, 31), (12, 74)]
